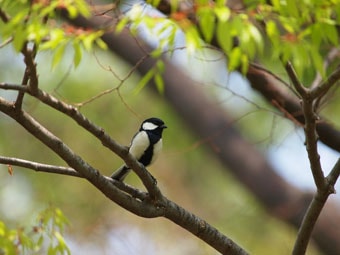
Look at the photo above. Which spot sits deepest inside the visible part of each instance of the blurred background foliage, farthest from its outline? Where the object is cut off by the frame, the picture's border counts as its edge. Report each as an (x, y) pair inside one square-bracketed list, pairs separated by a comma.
[(186, 172)]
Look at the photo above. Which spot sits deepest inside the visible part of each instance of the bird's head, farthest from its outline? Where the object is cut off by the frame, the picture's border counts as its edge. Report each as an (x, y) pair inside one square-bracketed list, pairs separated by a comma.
[(153, 124)]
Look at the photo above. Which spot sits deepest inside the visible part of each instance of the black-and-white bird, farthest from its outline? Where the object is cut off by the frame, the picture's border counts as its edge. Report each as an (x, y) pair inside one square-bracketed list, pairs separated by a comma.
[(145, 145)]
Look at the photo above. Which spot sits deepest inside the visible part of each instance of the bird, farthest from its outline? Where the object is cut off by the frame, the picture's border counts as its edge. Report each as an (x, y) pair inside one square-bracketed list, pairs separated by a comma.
[(145, 145)]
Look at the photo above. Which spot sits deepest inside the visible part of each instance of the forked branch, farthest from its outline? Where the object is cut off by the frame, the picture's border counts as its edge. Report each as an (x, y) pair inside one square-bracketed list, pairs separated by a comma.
[(139, 203)]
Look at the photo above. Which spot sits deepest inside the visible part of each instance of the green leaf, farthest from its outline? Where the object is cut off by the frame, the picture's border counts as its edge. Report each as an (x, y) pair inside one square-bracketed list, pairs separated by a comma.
[(154, 3), (61, 247), (51, 251), (19, 38), (316, 34), (2, 228), (60, 219), (223, 36), (193, 40), (160, 66), (57, 36), (273, 33), (156, 53), (331, 33), (87, 41), (101, 43), (292, 7), (222, 13), (146, 78), (317, 61), (257, 37), (122, 24), (159, 83), (58, 55), (72, 11), (83, 8), (244, 63), (234, 59), (221, 3), (47, 10), (77, 53), (207, 23)]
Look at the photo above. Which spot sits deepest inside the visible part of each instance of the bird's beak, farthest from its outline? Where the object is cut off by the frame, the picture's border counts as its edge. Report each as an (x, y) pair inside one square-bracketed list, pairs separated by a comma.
[(163, 126)]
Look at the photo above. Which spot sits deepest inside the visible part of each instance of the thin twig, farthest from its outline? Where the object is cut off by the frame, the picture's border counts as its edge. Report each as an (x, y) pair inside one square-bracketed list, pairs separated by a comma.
[(334, 175), (4, 16), (324, 87), (39, 167), (16, 87), (24, 81), (311, 143), (295, 80), (6, 42), (333, 54)]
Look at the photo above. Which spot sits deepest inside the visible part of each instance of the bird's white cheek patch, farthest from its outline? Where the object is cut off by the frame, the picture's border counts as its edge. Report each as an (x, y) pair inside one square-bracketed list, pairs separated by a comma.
[(149, 126)]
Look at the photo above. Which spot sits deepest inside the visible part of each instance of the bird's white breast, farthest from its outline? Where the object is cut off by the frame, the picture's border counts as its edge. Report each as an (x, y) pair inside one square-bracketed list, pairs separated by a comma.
[(139, 144), (156, 150)]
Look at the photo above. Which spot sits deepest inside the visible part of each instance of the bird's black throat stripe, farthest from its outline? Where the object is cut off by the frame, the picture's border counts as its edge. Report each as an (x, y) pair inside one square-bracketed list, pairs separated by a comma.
[(148, 153)]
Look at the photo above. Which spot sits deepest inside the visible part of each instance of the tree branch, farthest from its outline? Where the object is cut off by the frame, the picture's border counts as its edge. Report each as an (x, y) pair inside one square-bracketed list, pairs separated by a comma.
[(16, 87), (204, 117), (331, 56), (309, 127), (324, 87), (39, 167), (274, 90), (314, 210), (99, 133), (149, 207), (143, 209), (4, 16), (295, 80)]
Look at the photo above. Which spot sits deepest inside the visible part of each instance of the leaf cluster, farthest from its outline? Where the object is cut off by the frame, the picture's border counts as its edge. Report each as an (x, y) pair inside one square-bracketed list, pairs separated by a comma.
[(37, 23), (45, 236), (300, 32), (295, 31)]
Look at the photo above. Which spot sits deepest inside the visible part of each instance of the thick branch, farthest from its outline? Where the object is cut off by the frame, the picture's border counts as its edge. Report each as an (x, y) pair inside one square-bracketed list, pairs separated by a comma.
[(146, 208), (201, 229), (77, 163), (99, 133)]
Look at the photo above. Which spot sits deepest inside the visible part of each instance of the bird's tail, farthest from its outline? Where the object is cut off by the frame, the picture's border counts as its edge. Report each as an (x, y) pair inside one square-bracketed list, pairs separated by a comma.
[(121, 173)]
